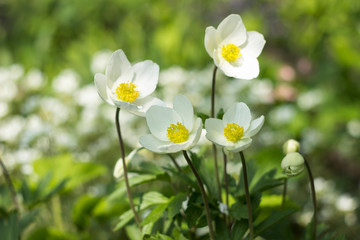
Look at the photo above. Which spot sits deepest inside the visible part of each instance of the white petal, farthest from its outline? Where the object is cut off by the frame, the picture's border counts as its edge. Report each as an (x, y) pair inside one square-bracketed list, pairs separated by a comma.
[(184, 108), (215, 132), (100, 84), (145, 103), (247, 70), (118, 67), (173, 148), (238, 113), (195, 134), (159, 119), (240, 145), (210, 40), (231, 30), (124, 105), (253, 46), (146, 77), (151, 143), (255, 127), (119, 167)]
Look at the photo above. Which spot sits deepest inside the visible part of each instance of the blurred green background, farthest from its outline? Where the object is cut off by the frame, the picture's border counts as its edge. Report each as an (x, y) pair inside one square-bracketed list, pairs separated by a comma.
[(58, 139)]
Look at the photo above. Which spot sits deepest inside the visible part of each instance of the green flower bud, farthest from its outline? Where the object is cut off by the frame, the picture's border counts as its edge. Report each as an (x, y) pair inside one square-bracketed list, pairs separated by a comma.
[(293, 164), (291, 145)]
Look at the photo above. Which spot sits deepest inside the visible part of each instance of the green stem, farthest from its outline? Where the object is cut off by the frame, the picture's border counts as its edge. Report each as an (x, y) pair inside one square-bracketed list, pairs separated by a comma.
[(175, 163), (10, 185), (212, 114), (284, 193), (226, 180), (203, 194), (117, 122), (248, 201), (313, 194)]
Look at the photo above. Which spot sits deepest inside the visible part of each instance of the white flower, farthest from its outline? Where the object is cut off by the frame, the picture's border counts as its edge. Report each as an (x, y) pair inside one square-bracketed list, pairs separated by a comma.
[(235, 130), (291, 145), (293, 163), (234, 50), (128, 87), (172, 129)]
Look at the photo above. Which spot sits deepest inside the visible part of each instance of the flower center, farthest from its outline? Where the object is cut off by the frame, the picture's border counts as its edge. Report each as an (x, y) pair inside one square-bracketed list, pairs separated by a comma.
[(230, 52), (233, 132), (126, 92), (177, 133)]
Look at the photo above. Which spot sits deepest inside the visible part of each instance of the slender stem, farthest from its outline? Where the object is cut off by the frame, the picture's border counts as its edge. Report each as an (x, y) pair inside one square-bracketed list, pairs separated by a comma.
[(248, 202), (117, 122), (213, 92), (203, 194), (226, 180), (175, 163), (312, 186), (284, 193), (217, 173), (10, 185)]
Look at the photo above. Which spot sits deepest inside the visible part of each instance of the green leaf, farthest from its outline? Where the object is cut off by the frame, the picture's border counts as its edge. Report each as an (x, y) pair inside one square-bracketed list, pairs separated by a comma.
[(239, 229), (203, 117), (192, 213), (221, 230), (274, 218), (83, 209), (220, 114), (176, 204), (155, 214), (27, 219), (267, 182), (133, 232), (239, 211)]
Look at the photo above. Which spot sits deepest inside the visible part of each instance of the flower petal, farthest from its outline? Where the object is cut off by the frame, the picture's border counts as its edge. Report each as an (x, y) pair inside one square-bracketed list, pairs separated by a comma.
[(172, 148), (240, 145), (255, 127), (151, 143), (238, 113), (145, 103), (253, 46), (210, 40), (124, 105), (231, 30), (159, 119), (118, 69), (100, 84), (215, 132), (146, 77), (247, 70), (195, 134), (184, 108)]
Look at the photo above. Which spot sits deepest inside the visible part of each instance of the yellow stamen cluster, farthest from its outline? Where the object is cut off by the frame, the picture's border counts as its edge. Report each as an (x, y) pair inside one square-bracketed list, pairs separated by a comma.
[(233, 132), (177, 133), (230, 52), (126, 92)]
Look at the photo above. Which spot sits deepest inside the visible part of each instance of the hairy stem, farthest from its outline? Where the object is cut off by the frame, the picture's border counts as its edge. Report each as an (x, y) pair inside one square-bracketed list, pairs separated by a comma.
[(313, 194), (117, 122), (203, 194), (248, 201)]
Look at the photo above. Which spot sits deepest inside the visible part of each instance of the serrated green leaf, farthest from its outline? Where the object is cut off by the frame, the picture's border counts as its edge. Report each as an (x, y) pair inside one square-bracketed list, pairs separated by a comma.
[(274, 218), (239, 211), (239, 229), (267, 182)]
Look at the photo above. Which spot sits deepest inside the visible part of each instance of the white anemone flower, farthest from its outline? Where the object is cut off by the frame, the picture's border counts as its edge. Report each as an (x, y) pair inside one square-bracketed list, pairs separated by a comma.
[(172, 129), (233, 49), (128, 87), (235, 130)]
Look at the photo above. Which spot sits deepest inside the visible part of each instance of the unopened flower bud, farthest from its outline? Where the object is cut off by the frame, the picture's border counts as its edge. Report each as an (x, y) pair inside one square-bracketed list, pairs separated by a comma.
[(293, 163), (291, 145), (119, 168)]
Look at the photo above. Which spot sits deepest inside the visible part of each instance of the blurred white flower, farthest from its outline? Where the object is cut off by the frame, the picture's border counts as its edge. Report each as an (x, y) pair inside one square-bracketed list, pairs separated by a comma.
[(353, 128), (172, 129), (10, 128), (128, 87), (54, 110), (235, 130), (16, 71), (4, 109), (223, 208), (34, 80), (87, 96), (8, 91), (234, 50), (99, 61), (66, 82), (261, 91), (311, 99), (282, 114), (345, 203)]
